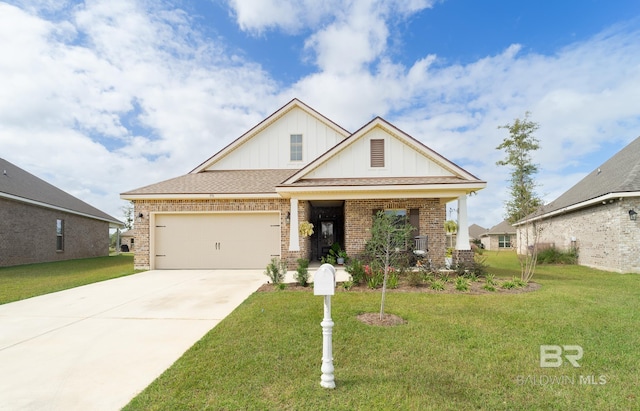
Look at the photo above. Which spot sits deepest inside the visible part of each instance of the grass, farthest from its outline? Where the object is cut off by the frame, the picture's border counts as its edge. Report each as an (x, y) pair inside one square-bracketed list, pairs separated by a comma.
[(25, 281), (456, 352)]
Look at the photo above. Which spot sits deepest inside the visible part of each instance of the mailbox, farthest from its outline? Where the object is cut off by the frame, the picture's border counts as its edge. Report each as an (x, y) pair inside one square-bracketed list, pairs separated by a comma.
[(324, 281)]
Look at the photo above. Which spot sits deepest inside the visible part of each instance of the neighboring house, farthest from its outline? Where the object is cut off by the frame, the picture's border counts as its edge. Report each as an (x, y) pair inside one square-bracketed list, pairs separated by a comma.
[(475, 231), (500, 236), (598, 215), (244, 205), (41, 223), (127, 241)]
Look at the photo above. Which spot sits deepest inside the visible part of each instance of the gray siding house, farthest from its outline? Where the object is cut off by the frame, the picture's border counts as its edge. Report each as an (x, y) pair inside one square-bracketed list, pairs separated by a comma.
[(41, 223), (598, 215)]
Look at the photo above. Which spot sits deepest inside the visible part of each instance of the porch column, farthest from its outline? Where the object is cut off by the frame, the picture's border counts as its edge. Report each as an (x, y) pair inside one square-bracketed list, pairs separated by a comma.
[(294, 239), (462, 239)]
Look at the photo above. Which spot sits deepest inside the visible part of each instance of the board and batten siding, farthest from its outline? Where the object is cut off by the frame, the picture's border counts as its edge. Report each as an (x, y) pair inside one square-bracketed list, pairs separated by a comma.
[(401, 160), (270, 148)]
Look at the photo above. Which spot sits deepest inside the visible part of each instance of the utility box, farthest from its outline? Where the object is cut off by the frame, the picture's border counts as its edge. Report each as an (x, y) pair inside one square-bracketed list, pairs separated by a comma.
[(324, 281)]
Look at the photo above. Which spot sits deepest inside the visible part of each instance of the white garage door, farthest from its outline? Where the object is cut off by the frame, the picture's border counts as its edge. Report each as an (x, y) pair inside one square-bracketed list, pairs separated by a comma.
[(213, 241)]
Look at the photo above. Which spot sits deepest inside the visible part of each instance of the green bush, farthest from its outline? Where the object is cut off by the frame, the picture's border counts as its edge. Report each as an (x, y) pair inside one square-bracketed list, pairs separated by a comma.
[(276, 270), (356, 270), (415, 278), (392, 281), (302, 272), (438, 285), (375, 281), (462, 284), (553, 255)]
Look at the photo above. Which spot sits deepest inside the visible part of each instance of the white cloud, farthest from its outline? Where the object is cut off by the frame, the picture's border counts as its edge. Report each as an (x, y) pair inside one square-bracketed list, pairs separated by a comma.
[(102, 97)]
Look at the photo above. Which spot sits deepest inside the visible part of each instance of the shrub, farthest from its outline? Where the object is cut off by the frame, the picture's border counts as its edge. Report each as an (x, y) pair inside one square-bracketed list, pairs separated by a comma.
[(375, 281), (392, 281), (276, 270), (347, 285), (552, 255), (414, 278), (302, 272), (491, 279), (462, 284), (356, 270), (438, 285), (489, 287)]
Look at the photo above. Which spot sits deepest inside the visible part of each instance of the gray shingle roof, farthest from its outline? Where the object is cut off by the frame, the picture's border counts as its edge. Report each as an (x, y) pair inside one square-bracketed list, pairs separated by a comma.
[(501, 228), (219, 182), (20, 185), (619, 174)]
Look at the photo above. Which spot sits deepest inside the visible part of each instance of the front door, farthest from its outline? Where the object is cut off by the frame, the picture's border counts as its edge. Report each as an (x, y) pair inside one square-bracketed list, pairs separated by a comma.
[(327, 237)]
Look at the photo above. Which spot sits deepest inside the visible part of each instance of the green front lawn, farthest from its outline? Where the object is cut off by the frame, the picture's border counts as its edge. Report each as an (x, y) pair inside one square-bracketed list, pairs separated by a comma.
[(25, 281), (456, 351)]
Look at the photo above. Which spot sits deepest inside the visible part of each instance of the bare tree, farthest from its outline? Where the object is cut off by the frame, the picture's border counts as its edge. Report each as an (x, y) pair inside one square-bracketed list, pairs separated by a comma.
[(523, 200), (390, 236)]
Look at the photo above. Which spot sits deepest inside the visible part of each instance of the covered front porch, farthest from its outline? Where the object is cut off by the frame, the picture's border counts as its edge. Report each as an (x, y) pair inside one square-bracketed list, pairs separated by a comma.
[(347, 222)]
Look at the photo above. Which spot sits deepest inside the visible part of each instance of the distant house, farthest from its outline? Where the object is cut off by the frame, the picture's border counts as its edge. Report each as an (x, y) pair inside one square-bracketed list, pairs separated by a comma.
[(598, 215), (41, 223), (475, 231), (500, 236), (244, 205), (127, 241)]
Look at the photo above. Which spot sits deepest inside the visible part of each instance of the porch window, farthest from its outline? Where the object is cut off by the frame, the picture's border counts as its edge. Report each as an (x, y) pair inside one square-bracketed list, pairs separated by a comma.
[(504, 241), (296, 147), (59, 235), (377, 152)]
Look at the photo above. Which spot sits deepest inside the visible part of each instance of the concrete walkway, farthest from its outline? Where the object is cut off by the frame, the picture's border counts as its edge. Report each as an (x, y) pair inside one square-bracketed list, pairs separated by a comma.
[(95, 347)]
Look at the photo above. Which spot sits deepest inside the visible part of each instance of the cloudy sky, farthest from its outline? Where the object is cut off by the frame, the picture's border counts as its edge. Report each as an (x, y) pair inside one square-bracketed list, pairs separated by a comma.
[(101, 97)]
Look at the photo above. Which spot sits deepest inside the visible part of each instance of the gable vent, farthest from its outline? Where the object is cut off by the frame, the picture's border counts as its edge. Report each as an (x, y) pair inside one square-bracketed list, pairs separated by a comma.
[(377, 152)]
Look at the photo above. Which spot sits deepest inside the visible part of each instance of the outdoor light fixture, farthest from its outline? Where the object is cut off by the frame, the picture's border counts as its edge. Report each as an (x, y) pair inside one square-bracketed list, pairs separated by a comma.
[(140, 216), (287, 219), (633, 216)]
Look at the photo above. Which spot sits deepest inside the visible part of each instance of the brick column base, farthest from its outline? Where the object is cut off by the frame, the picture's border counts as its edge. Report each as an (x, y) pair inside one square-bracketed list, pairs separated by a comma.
[(464, 257)]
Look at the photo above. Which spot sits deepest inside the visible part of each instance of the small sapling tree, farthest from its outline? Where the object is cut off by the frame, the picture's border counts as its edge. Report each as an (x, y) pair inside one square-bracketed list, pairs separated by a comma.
[(390, 236)]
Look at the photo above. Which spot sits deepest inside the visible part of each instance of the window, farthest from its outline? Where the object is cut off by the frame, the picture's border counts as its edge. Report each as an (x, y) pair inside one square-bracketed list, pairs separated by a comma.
[(377, 152), (504, 241), (59, 235), (296, 147)]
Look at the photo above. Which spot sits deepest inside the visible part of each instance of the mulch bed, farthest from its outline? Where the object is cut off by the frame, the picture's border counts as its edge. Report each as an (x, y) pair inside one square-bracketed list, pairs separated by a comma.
[(449, 288), (390, 320)]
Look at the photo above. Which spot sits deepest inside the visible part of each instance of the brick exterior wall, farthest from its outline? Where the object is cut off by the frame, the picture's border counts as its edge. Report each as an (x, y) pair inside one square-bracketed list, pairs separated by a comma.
[(605, 236), (359, 220), (28, 235)]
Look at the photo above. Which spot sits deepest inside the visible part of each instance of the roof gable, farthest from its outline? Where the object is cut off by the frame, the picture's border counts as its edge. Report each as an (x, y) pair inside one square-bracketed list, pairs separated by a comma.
[(405, 157), (619, 174), (20, 185), (266, 146)]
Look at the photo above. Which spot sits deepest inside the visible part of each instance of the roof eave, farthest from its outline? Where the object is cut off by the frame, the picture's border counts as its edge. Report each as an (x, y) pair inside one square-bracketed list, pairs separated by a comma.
[(196, 196), (112, 221), (448, 191), (606, 197)]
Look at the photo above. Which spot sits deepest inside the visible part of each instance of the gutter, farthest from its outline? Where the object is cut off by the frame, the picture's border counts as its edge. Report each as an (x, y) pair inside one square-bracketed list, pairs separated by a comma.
[(606, 198)]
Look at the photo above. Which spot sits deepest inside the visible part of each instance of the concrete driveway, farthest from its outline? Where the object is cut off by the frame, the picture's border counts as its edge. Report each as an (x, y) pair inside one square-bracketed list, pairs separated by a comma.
[(95, 347)]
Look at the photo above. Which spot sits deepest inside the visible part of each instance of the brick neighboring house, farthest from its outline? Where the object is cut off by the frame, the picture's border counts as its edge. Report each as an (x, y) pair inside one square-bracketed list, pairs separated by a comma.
[(41, 223), (597, 215), (244, 205), (499, 237)]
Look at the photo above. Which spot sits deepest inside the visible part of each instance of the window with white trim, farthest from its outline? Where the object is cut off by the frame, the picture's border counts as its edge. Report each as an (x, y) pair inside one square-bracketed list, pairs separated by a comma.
[(504, 241), (295, 147)]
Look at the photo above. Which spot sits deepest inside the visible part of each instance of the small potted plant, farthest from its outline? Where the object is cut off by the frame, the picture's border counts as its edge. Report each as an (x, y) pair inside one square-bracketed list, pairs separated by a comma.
[(342, 257), (448, 258)]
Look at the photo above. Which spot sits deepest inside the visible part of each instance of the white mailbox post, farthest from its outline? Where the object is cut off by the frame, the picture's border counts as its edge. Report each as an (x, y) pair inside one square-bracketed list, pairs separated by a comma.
[(324, 283)]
